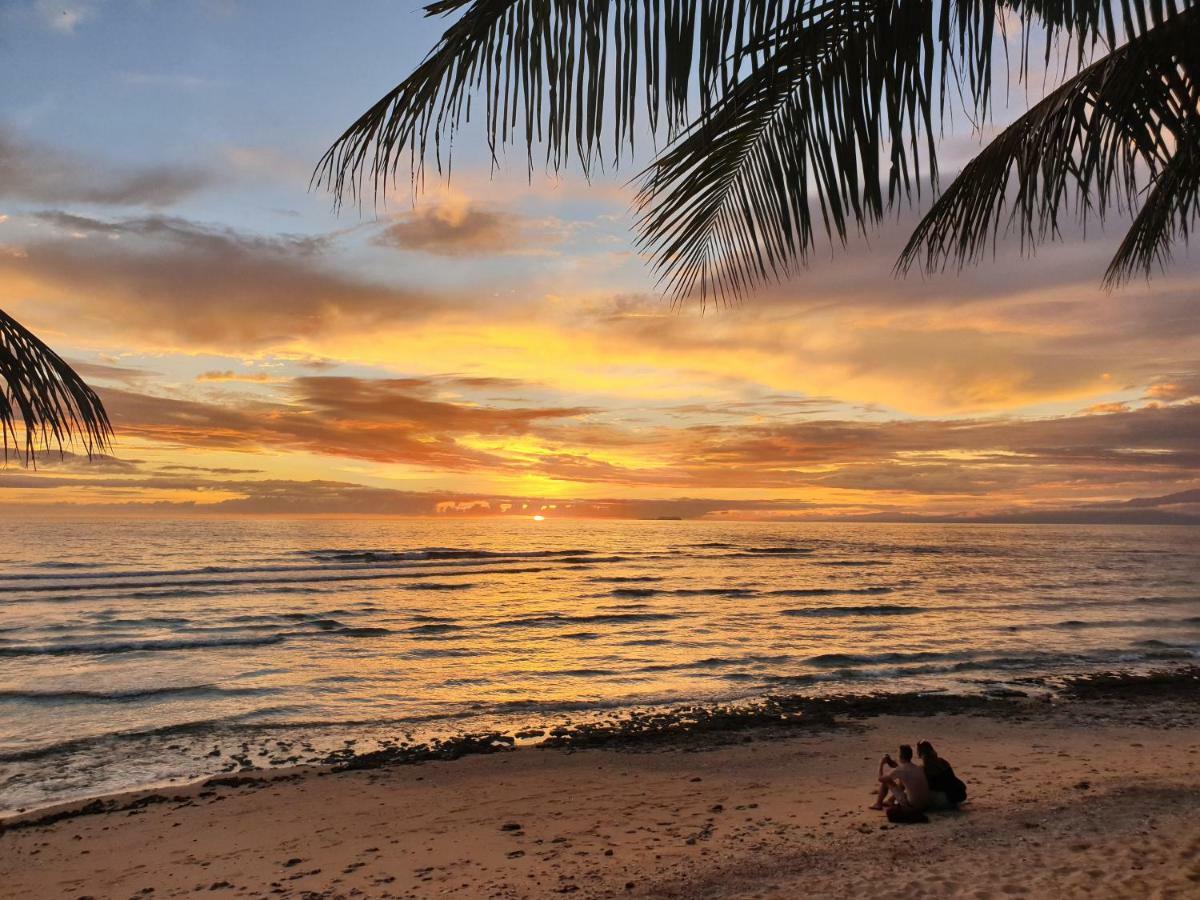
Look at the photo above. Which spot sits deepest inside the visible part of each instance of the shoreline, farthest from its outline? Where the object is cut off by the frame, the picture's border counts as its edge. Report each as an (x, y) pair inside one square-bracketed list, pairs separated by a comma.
[(1089, 796), (684, 726)]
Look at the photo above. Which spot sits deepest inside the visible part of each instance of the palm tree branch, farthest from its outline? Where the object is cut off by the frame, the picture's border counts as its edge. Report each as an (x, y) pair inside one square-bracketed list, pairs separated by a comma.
[(1167, 214), (561, 71), (727, 206), (1087, 141), (50, 401)]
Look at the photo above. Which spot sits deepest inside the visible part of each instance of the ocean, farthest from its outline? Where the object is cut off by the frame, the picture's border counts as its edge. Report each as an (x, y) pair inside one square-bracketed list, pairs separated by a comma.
[(144, 652)]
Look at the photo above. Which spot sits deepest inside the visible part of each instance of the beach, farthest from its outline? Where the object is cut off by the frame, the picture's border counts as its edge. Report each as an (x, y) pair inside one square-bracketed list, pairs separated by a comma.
[(1089, 794)]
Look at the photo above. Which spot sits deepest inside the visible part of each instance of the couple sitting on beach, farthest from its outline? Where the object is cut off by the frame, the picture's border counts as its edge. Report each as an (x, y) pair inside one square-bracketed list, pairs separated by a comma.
[(907, 790)]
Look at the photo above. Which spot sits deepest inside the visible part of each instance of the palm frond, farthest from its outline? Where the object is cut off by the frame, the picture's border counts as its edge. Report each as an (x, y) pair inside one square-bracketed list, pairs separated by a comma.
[(1167, 215), (561, 72), (1083, 147), (802, 106), (728, 205), (54, 405)]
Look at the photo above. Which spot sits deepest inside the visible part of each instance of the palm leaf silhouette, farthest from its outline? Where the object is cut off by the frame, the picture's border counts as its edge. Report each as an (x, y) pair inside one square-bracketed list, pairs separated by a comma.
[(782, 119), (44, 403), (1131, 117)]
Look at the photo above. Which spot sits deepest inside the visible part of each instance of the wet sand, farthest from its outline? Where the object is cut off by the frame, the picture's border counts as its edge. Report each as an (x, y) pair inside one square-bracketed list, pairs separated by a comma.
[(1096, 797)]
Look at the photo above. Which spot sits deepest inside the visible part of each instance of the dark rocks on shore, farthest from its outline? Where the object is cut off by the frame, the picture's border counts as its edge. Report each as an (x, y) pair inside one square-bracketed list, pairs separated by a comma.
[(773, 715), (1128, 685), (450, 748)]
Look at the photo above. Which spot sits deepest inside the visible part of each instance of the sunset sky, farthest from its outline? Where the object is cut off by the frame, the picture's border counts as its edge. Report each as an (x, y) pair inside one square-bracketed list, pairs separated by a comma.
[(498, 347)]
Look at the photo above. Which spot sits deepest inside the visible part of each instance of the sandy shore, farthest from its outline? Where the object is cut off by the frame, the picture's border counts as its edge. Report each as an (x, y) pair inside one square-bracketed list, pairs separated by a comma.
[(1093, 798)]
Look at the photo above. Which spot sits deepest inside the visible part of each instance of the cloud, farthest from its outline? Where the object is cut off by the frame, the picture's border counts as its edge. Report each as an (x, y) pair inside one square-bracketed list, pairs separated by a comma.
[(210, 470), (1148, 437), (1174, 388), (381, 420), (464, 230), (127, 375), (144, 491), (180, 283), (35, 173), (230, 375), (428, 424)]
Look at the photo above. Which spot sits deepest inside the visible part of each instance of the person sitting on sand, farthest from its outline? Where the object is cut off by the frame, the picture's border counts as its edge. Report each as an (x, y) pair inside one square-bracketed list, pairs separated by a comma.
[(946, 790), (906, 784)]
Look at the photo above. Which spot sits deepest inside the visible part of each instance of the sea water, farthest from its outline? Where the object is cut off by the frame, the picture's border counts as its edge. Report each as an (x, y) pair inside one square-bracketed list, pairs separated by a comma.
[(139, 652)]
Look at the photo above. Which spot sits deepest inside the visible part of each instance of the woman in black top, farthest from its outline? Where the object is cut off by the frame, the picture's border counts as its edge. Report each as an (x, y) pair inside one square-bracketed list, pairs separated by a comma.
[(945, 788)]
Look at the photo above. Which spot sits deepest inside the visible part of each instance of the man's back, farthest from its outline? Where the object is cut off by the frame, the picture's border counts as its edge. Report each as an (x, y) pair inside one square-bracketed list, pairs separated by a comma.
[(916, 787)]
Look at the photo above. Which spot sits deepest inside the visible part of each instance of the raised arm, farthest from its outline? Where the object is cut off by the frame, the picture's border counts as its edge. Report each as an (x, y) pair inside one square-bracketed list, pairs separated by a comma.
[(886, 761)]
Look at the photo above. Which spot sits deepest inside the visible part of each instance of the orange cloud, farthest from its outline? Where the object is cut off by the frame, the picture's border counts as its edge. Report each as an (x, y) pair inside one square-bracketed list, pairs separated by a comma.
[(464, 229)]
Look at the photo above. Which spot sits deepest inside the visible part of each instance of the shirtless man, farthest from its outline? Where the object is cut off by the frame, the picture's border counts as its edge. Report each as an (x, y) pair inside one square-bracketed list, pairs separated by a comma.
[(905, 781)]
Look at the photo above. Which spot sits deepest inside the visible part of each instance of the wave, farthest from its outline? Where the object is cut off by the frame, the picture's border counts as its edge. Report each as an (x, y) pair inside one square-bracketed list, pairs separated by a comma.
[(684, 592), (972, 660), (147, 622), (764, 550), (131, 694), (819, 612), (625, 579), (1168, 599), (104, 648), (207, 727), (435, 628), (715, 592), (831, 660), (717, 662), (365, 631), (553, 619), (852, 563), (1122, 623), (77, 571), (198, 588), (830, 592), (435, 553)]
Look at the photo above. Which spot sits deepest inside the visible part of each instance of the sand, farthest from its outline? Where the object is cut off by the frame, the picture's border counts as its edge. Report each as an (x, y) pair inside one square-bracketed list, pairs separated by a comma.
[(1087, 799)]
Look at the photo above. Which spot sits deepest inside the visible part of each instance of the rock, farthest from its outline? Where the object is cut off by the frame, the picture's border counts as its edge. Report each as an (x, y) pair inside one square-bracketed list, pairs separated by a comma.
[(717, 808), (510, 826)]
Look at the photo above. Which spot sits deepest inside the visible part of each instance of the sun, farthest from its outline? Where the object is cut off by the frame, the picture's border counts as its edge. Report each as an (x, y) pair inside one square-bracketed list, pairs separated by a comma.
[(539, 518)]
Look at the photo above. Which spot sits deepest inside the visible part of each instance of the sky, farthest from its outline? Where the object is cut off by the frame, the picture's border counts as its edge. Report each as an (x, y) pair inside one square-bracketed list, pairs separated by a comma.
[(495, 345)]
